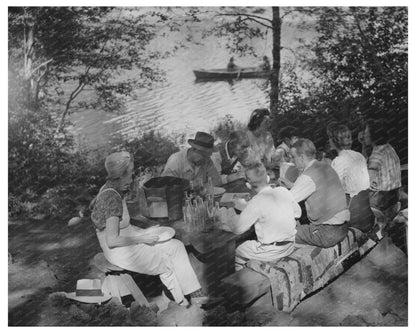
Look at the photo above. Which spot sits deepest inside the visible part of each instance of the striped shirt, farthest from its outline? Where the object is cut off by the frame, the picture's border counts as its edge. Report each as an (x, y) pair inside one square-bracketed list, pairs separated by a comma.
[(384, 169), (351, 168)]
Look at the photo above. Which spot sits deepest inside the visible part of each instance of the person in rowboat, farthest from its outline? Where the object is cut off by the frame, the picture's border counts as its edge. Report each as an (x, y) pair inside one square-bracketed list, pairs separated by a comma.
[(231, 65), (265, 65)]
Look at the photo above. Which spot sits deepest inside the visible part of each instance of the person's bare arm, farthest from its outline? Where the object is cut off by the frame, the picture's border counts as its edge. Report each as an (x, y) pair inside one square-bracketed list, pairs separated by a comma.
[(113, 238)]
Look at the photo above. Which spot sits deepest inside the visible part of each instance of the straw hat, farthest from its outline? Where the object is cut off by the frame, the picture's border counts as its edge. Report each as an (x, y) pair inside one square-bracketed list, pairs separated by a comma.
[(88, 291)]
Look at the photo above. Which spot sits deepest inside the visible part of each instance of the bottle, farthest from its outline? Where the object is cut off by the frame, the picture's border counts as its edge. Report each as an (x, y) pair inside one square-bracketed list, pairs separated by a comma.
[(210, 186), (202, 214), (216, 211), (191, 189), (201, 188)]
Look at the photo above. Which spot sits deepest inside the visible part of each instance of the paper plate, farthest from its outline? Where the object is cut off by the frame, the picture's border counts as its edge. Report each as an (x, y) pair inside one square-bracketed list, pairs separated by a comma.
[(164, 233), (218, 191), (88, 299)]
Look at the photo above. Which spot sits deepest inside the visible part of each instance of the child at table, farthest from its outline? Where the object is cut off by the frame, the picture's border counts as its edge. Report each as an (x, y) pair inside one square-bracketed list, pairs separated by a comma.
[(272, 211)]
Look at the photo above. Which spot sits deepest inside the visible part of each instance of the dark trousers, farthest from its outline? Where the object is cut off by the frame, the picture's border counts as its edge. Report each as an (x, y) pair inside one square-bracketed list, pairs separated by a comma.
[(323, 235), (362, 216), (383, 200)]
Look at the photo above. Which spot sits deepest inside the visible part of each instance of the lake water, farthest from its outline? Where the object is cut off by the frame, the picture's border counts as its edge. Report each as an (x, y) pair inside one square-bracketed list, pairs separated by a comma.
[(182, 105)]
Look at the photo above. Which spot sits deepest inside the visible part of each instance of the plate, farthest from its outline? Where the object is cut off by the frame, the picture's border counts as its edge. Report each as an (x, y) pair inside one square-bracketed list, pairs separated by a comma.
[(218, 191), (164, 233)]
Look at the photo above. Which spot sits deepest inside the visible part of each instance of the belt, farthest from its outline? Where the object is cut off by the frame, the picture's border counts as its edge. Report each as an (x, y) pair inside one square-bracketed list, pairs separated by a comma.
[(279, 243)]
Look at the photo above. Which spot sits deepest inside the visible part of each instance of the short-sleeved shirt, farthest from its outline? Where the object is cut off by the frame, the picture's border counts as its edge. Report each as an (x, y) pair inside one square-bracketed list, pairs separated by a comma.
[(351, 168), (384, 169), (273, 212), (179, 166), (108, 204)]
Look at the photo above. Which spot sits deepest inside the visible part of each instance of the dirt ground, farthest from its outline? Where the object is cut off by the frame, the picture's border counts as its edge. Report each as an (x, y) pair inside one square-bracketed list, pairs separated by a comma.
[(46, 257)]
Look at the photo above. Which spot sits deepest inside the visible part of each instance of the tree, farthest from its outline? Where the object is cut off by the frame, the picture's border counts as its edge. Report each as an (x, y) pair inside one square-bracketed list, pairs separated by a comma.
[(362, 61), (242, 24), (60, 52)]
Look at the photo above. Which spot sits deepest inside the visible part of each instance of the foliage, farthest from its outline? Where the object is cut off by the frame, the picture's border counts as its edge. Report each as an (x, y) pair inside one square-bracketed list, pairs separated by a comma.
[(46, 179), (241, 25), (152, 149), (362, 63), (46, 175), (225, 126), (58, 52), (355, 77)]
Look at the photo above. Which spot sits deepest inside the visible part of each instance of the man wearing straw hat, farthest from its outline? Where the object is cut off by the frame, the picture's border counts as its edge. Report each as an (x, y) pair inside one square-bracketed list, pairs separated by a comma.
[(194, 163)]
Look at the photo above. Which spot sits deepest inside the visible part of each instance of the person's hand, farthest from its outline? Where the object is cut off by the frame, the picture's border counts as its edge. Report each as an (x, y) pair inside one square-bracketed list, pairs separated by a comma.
[(149, 239), (285, 182), (153, 227), (234, 176), (222, 215)]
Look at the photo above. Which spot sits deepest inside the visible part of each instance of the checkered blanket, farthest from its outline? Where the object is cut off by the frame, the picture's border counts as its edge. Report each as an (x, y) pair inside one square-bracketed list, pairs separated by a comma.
[(309, 268)]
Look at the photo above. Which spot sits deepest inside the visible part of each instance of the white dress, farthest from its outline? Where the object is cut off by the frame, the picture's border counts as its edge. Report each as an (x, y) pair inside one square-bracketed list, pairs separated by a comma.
[(168, 259)]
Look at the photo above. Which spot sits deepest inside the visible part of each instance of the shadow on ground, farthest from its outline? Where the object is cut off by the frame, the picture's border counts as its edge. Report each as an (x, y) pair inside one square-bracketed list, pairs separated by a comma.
[(48, 257)]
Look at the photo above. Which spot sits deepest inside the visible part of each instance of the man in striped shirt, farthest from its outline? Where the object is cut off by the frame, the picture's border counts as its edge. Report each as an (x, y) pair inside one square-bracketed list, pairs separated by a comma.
[(383, 167)]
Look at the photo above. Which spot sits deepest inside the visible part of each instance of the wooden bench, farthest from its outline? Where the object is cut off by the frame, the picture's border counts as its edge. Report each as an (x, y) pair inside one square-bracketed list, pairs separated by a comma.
[(306, 270), (118, 282)]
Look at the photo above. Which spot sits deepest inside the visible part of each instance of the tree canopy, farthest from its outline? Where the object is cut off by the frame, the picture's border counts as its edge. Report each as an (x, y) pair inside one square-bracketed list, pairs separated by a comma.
[(59, 52)]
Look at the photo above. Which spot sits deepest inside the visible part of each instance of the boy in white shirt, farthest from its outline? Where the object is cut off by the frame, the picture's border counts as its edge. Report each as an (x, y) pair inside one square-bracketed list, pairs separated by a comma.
[(272, 211)]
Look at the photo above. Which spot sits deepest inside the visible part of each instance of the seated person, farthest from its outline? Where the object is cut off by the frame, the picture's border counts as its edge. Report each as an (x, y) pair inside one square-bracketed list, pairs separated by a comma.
[(133, 248), (261, 140), (282, 163), (330, 151), (351, 168), (288, 136), (231, 157), (194, 164), (231, 65), (272, 211), (383, 167), (265, 65), (325, 201)]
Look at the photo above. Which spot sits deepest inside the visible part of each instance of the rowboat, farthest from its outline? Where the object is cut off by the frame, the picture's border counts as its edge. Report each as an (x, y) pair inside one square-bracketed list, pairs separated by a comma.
[(225, 74)]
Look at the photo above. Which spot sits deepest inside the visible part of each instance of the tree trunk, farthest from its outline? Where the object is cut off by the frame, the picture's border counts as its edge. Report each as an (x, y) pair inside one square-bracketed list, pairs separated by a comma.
[(30, 84), (274, 81)]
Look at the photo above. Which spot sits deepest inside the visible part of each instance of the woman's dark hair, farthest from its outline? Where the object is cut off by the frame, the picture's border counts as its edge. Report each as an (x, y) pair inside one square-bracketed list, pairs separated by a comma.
[(256, 118), (341, 136), (378, 131), (288, 132), (330, 128)]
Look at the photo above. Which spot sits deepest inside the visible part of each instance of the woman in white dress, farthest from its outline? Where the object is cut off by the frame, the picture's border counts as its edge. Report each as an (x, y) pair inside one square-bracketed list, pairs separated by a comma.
[(137, 249)]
